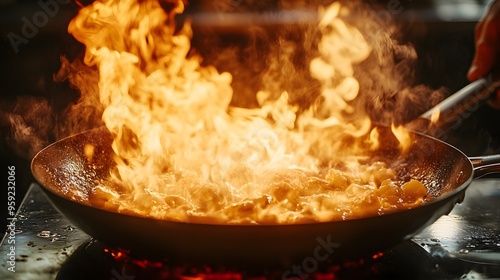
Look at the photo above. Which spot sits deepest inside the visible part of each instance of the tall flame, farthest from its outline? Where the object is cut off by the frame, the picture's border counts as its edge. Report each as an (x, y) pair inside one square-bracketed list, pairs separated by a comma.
[(181, 148)]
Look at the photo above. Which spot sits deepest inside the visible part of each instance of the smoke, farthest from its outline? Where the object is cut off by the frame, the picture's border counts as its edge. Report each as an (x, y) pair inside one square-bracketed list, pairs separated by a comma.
[(30, 120), (270, 58), (389, 90), (277, 59), (86, 113), (33, 122)]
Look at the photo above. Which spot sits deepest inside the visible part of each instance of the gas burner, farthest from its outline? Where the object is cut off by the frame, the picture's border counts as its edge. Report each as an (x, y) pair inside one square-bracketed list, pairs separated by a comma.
[(407, 260)]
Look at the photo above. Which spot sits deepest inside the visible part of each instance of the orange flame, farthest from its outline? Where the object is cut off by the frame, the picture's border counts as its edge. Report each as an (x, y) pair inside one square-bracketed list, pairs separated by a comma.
[(374, 139), (403, 136), (435, 116), (183, 153)]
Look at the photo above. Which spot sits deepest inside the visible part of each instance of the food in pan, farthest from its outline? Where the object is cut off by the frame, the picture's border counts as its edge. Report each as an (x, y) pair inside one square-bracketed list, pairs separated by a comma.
[(284, 197)]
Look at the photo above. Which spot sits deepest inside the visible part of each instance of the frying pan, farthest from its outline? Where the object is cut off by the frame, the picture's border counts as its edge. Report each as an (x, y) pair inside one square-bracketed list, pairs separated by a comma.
[(67, 176)]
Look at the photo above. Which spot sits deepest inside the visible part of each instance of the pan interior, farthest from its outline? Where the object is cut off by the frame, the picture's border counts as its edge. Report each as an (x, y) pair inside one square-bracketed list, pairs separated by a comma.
[(439, 166), (67, 169)]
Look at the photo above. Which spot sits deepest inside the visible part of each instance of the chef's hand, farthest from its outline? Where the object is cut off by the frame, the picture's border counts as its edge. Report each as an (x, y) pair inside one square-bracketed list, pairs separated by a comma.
[(487, 42)]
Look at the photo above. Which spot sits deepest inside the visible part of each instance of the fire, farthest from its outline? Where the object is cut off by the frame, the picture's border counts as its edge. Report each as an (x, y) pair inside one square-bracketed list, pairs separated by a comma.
[(374, 139), (183, 152), (403, 136), (435, 116)]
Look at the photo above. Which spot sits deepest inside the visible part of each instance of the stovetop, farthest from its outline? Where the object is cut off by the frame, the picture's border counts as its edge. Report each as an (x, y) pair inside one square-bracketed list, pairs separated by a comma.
[(462, 245)]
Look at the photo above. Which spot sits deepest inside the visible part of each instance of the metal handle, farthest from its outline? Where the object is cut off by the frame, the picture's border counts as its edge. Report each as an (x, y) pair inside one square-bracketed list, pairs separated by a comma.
[(484, 165), (467, 99), (459, 106)]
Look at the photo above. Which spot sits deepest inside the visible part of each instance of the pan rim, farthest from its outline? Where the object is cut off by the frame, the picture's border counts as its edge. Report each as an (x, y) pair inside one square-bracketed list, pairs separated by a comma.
[(440, 199)]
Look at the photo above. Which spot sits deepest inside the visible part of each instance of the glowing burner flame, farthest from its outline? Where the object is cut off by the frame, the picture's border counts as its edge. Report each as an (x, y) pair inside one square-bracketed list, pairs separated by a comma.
[(183, 153)]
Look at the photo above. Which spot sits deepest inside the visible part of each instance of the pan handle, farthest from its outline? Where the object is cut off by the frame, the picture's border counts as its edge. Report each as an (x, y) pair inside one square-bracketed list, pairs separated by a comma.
[(484, 165), (468, 99), (454, 109)]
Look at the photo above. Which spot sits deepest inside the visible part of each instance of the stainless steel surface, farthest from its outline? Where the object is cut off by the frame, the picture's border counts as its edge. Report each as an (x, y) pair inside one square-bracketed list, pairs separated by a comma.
[(470, 234), (44, 240), (462, 245)]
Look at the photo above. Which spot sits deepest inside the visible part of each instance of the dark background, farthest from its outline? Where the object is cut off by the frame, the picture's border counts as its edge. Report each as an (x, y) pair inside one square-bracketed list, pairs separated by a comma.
[(28, 75), (443, 38)]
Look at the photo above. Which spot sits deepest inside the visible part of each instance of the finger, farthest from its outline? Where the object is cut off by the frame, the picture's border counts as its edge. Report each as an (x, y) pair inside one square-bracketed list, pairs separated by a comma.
[(474, 72), (483, 61), (478, 30), (486, 45)]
